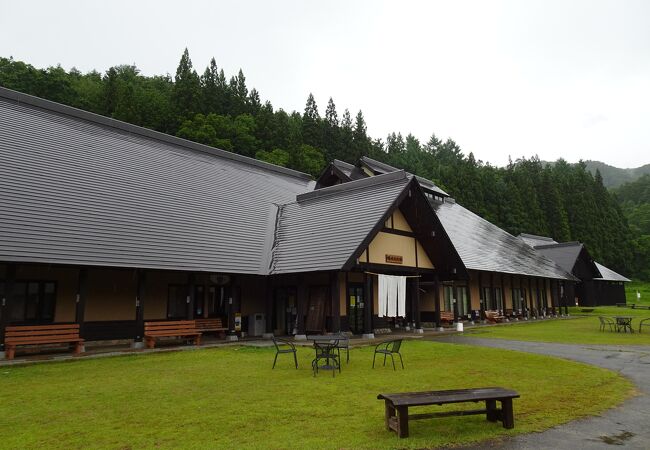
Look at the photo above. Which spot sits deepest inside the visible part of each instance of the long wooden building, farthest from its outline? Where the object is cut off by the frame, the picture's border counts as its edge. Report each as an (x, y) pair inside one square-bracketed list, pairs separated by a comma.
[(598, 284), (109, 225)]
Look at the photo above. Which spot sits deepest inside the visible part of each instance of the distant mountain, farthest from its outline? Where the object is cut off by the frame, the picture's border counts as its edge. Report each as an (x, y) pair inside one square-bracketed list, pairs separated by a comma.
[(613, 176)]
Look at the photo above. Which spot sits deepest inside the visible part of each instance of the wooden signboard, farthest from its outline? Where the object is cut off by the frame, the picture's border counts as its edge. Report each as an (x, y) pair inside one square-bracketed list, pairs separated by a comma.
[(394, 259)]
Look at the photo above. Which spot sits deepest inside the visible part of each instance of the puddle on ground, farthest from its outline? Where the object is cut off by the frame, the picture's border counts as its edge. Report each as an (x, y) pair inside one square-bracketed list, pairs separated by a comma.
[(617, 439)]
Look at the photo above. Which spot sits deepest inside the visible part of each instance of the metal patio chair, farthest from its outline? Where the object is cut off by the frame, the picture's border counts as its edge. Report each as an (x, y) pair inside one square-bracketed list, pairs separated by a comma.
[(642, 324), (607, 322), (344, 344), (389, 348), (284, 346)]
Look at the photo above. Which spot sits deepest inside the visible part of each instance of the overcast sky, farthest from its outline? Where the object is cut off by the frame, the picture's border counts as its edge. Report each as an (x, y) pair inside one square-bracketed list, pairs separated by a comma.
[(558, 79)]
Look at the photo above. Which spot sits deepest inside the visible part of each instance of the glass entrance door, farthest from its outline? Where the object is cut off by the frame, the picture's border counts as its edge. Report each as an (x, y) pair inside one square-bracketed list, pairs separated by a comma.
[(356, 305)]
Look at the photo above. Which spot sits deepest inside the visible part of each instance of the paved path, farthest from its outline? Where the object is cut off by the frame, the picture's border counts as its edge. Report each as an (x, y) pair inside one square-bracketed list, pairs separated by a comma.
[(627, 425)]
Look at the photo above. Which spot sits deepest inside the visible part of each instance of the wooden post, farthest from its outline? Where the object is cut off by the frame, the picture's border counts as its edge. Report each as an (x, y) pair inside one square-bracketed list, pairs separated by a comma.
[(469, 298), (554, 296), (189, 315), (416, 304), (454, 300), (269, 307), (335, 294), (139, 305), (530, 295), (80, 303), (367, 306), (493, 291), (538, 298), (231, 308), (481, 295), (301, 307), (7, 300), (512, 297), (503, 297), (436, 296)]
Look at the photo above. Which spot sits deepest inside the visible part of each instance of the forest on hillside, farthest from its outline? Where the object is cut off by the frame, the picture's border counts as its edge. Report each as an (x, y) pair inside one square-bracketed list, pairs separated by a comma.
[(634, 198), (561, 200), (613, 177)]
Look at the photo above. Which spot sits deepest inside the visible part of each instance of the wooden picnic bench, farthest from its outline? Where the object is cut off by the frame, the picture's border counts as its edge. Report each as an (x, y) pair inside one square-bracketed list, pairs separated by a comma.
[(211, 325), (171, 328), (40, 335), (397, 406), (494, 316), (447, 316)]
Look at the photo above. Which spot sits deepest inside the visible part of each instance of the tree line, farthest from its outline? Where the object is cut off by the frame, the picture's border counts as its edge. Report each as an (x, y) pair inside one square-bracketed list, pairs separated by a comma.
[(560, 200)]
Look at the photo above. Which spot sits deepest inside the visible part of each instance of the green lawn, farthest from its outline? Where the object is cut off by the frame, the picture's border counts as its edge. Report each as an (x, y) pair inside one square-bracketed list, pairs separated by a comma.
[(582, 329), (230, 398), (643, 287)]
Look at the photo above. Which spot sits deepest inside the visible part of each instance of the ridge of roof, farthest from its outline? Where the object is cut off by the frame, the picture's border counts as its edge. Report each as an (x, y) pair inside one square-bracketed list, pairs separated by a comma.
[(560, 244), (536, 236), (352, 185), (380, 164), (347, 165), (60, 108)]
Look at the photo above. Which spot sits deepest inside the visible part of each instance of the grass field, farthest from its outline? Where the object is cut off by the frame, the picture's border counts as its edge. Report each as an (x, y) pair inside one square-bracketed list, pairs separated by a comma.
[(643, 287), (582, 329), (230, 398)]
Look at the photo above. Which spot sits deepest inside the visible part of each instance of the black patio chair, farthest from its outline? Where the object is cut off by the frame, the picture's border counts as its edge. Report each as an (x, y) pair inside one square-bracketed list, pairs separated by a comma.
[(328, 352), (279, 344), (344, 343), (388, 348), (606, 322), (642, 324)]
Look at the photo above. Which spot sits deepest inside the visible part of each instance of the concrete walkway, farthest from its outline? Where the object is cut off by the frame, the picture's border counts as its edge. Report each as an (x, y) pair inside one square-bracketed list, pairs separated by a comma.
[(627, 425)]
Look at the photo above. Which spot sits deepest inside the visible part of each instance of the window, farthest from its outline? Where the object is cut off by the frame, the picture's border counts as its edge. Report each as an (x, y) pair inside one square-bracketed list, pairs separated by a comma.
[(449, 297), (487, 298), (462, 301), (498, 298), (32, 301), (217, 300), (518, 296)]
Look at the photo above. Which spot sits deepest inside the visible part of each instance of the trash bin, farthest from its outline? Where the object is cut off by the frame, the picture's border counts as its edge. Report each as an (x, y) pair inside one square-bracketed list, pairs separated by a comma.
[(256, 324)]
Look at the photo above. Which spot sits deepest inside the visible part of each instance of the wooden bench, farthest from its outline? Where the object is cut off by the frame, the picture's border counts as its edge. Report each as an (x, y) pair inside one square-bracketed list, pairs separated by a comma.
[(397, 405), (211, 325), (494, 316), (447, 316), (170, 328), (41, 335)]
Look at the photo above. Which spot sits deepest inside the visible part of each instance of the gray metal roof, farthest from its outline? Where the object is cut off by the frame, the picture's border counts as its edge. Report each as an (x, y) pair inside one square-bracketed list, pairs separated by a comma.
[(608, 274), (564, 254), (323, 228), (379, 168), (484, 246), (77, 188)]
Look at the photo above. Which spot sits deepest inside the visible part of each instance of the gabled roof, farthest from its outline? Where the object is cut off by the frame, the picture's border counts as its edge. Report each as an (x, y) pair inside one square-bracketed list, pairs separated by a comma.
[(484, 246), (609, 274), (78, 188), (322, 229), (378, 167), (566, 255)]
